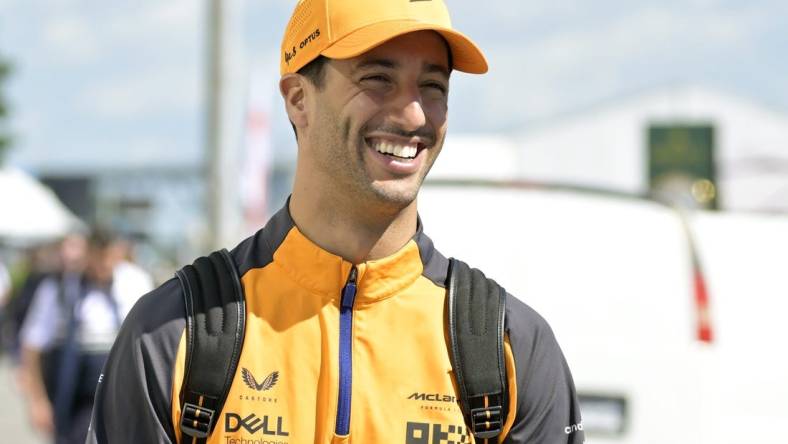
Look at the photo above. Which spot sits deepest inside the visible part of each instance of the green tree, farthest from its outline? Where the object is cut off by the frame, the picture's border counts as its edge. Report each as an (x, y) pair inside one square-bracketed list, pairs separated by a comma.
[(5, 138)]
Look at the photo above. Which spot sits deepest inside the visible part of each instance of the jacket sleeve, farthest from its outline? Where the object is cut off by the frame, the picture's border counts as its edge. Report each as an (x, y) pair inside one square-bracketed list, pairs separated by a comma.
[(133, 398), (547, 407)]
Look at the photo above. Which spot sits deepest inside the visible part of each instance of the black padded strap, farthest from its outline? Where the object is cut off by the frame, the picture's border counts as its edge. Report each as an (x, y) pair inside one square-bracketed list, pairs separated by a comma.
[(476, 310), (215, 324)]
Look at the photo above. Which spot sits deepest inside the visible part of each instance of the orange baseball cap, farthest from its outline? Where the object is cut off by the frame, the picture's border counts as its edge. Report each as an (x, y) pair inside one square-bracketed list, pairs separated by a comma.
[(341, 29)]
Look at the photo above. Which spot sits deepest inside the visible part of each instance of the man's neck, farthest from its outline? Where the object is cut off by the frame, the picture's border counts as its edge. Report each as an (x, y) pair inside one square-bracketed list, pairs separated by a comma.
[(355, 232)]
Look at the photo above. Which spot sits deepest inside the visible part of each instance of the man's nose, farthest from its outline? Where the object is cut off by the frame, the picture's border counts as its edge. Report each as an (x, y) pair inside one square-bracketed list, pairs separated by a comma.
[(409, 111)]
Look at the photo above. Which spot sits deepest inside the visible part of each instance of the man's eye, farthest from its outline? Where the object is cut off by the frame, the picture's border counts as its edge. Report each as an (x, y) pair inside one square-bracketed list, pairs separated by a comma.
[(436, 86), (375, 78)]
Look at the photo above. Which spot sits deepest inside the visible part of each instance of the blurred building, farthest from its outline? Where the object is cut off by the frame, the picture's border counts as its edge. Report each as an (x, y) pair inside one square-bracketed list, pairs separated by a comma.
[(161, 207), (154, 205), (701, 147)]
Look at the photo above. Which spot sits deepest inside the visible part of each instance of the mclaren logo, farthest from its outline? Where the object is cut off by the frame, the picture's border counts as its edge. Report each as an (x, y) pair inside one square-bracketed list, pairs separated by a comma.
[(267, 383), (416, 396)]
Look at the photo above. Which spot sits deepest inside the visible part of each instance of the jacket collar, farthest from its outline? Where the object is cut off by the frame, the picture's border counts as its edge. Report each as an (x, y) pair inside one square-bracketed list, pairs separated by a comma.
[(325, 273)]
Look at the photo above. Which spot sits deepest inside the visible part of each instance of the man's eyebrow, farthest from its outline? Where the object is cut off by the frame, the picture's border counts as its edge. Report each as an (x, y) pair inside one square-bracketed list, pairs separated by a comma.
[(429, 68), (435, 68), (375, 63)]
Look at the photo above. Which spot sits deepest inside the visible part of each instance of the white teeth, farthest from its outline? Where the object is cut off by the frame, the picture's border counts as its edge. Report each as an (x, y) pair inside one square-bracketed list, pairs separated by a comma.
[(406, 152)]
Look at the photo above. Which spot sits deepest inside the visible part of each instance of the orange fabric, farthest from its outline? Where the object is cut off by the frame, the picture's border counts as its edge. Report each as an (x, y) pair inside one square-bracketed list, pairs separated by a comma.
[(402, 384), (511, 377), (342, 29), (177, 381)]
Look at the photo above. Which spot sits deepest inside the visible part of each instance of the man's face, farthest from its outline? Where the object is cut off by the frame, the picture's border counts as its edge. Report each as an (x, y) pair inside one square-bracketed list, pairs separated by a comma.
[(101, 264), (73, 250), (379, 121)]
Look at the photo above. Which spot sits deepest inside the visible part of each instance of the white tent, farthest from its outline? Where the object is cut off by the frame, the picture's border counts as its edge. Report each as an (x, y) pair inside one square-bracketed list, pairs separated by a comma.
[(29, 211)]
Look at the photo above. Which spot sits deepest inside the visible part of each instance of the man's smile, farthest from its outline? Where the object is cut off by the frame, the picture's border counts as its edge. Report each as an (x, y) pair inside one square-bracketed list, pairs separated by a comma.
[(397, 155), (394, 149), (396, 146)]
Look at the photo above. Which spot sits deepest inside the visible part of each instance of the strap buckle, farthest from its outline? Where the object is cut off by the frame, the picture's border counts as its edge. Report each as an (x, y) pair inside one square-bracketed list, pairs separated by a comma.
[(197, 421), (486, 421)]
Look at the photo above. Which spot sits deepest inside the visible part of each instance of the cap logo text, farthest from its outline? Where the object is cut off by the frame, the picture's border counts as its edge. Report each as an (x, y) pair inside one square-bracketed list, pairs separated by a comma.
[(289, 55), (311, 37)]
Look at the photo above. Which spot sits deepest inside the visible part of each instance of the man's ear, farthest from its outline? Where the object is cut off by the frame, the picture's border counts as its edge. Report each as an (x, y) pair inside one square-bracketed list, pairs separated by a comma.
[(292, 88)]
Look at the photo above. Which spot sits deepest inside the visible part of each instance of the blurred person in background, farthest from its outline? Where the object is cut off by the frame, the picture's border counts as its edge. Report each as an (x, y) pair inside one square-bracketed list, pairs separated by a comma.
[(68, 331), (5, 285), (5, 294), (122, 252), (62, 260)]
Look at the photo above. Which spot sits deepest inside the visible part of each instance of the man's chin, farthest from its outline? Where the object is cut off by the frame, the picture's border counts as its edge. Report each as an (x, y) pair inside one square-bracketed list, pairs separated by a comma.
[(398, 195)]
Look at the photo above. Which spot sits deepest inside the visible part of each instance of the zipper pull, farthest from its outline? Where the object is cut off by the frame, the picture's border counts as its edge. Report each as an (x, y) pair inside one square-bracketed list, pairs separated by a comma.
[(349, 290)]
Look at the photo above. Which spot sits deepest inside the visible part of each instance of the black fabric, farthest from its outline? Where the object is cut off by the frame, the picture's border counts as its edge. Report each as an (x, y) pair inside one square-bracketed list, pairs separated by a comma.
[(215, 309), (547, 407), (257, 251), (476, 320), (77, 428), (435, 264)]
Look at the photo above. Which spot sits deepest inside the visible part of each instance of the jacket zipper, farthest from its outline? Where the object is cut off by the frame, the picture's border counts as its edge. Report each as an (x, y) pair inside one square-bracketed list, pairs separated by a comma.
[(346, 353)]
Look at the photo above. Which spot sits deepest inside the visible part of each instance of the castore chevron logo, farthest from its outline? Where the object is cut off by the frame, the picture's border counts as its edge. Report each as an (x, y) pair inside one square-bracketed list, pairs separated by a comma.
[(267, 383)]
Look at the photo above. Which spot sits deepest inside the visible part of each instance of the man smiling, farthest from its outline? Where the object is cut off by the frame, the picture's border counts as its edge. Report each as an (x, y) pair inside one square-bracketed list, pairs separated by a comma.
[(345, 337), (369, 129)]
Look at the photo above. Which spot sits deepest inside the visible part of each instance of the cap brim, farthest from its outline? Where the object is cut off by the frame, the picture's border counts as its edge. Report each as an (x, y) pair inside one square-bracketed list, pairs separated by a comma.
[(466, 56)]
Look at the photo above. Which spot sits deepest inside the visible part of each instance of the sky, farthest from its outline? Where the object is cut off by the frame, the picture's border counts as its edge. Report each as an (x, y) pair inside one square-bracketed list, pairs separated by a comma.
[(120, 84)]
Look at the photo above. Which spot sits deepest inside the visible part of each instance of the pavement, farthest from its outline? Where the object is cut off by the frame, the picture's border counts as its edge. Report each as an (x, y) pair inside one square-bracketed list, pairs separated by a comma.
[(14, 425)]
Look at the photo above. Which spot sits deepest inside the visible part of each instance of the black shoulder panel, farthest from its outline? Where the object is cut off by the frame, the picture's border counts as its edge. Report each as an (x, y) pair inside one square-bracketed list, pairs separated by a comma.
[(547, 405), (436, 266), (258, 251)]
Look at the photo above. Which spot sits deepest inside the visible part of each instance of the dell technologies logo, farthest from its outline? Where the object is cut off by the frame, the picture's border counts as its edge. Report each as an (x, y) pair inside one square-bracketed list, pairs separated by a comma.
[(252, 424)]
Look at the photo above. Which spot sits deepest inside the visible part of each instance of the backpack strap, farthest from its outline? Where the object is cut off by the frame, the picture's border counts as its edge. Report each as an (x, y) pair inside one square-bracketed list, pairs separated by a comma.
[(476, 310), (215, 324)]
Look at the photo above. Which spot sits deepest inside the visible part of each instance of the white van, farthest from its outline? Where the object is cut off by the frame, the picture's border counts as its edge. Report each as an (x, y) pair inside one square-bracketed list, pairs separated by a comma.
[(672, 337)]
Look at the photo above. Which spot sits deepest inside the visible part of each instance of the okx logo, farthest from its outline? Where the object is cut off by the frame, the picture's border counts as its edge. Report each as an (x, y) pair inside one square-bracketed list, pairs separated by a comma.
[(253, 424), (425, 433), (267, 383)]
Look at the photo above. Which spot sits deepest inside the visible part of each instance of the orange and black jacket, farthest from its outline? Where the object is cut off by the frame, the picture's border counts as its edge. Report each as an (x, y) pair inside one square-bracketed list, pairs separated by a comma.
[(393, 383)]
